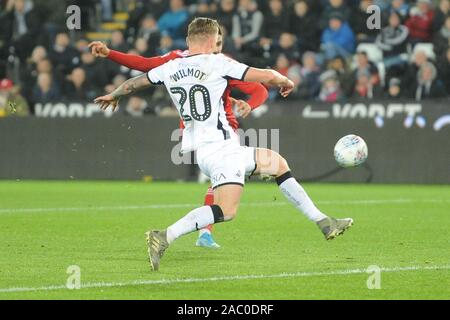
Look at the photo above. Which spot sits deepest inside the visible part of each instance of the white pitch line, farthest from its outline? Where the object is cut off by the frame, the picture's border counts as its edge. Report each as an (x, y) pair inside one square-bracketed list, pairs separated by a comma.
[(193, 205), (97, 285)]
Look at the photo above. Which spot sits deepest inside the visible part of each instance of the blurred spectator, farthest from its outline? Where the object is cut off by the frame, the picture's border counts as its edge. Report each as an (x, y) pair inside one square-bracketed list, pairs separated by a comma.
[(28, 72), (173, 22), (428, 84), (45, 90), (420, 23), (275, 23), (107, 10), (117, 82), (166, 45), (365, 86), (401, 7), (365, 67), (77, 88), (141, 46), (410, 75), (442, 38), (247, 23), (441, 14), (118, 42), (282, 65), (225, 14), (203, 9), (358, 22), (11, 101), (23, 25), (82, 45), (394, 89), (305, 77), (288, 46), (330, 88), (444, 69), (95, 71), (333, 8), (137, 107), (393, 40), (64, 57), (338, 39), (303, 24), (150, 32), (344, 75)]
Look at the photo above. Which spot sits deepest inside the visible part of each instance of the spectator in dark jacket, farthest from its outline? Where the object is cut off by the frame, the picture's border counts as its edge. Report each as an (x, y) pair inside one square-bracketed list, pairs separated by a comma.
[(225, 14), (46, 90), (95, 70), (149, 31), (444, 69), (63, 56), (23, 26), (118, 42), (428, 84), (303, 24), (442, 12), (393, 40), (77, 87), (442, 38), (358, 22), (420, 24), (305, 77), (275, 23), (394, 89), (410, 74)]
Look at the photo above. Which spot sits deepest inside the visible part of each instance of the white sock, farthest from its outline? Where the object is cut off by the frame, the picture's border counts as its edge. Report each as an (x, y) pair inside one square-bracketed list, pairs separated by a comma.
[(193, 221), (297, 195)]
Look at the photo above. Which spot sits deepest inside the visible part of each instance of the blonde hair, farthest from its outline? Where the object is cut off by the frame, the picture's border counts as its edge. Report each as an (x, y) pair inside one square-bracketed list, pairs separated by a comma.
[(201, 28)]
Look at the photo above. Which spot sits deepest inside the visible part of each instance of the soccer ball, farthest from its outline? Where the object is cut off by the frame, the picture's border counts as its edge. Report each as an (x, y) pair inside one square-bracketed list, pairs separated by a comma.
[(350, 151)]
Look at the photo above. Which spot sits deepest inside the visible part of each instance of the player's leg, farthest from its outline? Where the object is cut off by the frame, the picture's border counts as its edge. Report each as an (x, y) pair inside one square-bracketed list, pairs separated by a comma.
[(227, 202), (205, 238), (224, 164), (271, 163)]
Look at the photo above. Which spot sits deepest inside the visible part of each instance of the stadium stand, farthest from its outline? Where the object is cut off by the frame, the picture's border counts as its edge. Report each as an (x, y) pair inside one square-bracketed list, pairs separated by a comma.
[(42, 61)]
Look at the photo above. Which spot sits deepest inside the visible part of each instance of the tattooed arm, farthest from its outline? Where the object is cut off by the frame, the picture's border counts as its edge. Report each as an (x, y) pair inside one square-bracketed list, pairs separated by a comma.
[(128, 87)]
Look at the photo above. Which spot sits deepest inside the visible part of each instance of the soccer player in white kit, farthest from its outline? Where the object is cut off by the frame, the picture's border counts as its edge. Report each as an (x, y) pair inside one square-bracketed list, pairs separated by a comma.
[(196, 84)]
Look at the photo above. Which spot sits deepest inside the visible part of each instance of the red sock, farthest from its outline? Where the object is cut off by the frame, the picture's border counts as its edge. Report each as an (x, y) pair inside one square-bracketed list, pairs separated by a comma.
[(209, 201)]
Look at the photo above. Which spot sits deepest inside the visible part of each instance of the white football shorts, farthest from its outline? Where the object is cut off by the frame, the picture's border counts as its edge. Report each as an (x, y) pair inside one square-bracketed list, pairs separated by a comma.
[(226, 162)]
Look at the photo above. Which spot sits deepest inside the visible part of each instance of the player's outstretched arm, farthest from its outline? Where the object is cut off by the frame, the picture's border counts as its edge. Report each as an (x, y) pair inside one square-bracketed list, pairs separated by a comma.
[(271, 78), (128, 87), (131, 61)]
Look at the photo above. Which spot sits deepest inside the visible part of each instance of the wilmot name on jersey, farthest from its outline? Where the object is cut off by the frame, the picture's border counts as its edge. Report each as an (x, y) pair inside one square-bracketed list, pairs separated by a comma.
[(189, 72)]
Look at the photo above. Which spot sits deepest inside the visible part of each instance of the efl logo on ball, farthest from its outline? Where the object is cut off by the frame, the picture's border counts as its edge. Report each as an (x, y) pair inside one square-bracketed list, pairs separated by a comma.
[(351, 151)]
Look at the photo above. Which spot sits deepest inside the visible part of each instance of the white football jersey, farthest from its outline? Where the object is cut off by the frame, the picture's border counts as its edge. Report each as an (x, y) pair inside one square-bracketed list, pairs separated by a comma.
[(196, 85)]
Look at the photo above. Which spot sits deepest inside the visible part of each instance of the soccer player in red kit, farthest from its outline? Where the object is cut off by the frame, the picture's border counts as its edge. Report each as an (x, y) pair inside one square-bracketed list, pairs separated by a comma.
[(257, 96)]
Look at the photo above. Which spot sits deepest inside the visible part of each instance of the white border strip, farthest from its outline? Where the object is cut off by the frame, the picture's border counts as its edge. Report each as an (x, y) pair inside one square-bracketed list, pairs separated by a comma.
[(97, 285), (193, 205)]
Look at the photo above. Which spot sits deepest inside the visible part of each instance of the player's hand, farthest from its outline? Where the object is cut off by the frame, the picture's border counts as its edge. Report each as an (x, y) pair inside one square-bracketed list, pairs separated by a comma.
[(106, 101), (287, 88), (99, 49), (243, 108)]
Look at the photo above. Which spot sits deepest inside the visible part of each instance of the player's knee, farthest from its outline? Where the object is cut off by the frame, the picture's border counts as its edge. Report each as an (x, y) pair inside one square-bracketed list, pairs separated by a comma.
[(229, 211), (283, 166)]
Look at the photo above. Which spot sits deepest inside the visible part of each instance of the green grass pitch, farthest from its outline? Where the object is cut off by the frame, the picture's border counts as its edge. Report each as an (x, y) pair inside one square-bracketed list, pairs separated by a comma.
[(269, 252)]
